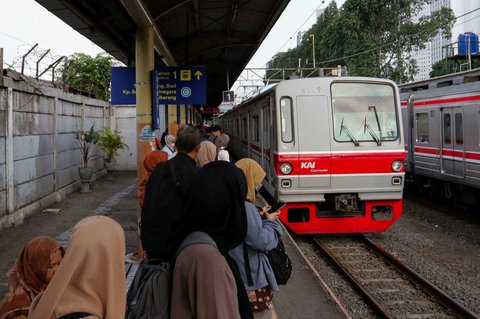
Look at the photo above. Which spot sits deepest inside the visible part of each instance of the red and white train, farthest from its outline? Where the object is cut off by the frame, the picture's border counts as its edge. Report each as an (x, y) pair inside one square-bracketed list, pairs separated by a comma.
[(441, 118), (332, 147)]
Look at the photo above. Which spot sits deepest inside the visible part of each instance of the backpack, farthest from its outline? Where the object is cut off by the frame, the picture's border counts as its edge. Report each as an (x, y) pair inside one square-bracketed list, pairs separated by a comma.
[(149, 295), (280, 262), (166, 193)]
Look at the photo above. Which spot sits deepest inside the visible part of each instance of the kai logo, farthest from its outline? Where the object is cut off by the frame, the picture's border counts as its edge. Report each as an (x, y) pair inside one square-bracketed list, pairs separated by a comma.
[(305, 165)]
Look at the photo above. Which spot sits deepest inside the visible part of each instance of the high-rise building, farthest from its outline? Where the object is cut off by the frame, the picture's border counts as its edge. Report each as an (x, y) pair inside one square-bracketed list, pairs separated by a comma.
[(436, 49)]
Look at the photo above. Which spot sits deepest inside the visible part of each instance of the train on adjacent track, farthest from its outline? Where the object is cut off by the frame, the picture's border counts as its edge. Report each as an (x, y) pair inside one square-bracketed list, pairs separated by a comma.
[(333, 150), (441, 118)]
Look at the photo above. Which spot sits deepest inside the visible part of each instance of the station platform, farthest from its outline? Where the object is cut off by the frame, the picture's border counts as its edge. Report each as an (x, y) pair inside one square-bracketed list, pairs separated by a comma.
[(114, 195)]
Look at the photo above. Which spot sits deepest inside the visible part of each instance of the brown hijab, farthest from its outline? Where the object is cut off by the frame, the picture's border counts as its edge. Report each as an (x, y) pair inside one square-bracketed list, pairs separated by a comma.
[(254, 174), (149, 163), (91, 277), (31, 272), (206, 154)]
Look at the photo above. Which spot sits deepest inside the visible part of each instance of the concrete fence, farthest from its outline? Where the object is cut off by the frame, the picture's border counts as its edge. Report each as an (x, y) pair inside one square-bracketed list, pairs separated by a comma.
[(39, 156)]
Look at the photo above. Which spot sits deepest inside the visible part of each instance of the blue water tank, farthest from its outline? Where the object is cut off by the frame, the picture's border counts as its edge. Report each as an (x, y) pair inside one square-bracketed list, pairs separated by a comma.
[(466, 41)]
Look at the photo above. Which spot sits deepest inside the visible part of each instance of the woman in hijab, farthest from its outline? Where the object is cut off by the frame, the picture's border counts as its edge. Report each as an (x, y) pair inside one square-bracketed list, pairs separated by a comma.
[(263, 234), (223, 155), (31, 274), (91, 277), (206, 281), (149, 163), (169, 147), (206, 153)]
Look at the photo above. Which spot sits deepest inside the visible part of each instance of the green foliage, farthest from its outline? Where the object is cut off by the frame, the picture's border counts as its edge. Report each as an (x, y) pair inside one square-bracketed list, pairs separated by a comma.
[(89, 75), (86, 140), (444, 67), (110, 143), (369, 37)]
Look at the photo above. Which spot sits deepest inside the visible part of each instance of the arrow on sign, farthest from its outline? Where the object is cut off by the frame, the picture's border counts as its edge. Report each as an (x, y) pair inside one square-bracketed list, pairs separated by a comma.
[(198, 74)]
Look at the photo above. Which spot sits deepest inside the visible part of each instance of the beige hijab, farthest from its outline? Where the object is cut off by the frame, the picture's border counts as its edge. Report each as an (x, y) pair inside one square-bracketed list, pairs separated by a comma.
[(207, 153), (254, 174), (91, 277)]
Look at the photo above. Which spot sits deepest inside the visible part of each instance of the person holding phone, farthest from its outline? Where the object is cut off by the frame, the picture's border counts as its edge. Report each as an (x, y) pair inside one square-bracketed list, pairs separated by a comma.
[(263, 233)]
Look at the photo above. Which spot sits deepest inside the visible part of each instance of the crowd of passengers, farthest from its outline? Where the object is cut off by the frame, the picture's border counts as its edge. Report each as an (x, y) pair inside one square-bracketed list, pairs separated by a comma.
[(190, 185)]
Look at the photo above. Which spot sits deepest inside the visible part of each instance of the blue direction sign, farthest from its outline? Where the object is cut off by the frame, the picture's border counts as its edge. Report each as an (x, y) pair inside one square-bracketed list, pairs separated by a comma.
[(123, 85), (180, 85)]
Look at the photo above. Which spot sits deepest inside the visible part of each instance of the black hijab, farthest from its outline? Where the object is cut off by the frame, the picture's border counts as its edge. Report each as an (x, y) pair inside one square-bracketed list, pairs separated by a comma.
[(216, 206)]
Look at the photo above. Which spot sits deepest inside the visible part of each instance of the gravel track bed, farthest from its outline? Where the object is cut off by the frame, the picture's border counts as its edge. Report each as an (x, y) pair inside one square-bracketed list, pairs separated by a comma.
[(442, 247)]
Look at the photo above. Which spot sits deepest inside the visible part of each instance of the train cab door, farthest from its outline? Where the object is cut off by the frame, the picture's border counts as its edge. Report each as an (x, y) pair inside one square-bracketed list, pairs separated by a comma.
[(452, 153), (265, 140), (313, 140)]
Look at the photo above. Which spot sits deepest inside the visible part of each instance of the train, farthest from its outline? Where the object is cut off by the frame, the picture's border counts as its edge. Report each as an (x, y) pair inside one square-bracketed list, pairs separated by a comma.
[(441, 118), (333, 149)]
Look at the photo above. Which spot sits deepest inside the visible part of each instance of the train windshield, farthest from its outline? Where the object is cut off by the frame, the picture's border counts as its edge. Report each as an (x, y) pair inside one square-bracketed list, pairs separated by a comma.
[(364, 112)]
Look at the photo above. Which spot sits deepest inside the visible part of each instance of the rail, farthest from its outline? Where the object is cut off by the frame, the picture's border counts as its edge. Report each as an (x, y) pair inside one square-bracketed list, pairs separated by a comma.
[(351, 255)]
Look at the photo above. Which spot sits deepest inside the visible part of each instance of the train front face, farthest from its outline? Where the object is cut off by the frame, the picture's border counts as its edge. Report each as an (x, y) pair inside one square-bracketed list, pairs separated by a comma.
[(340, 154)]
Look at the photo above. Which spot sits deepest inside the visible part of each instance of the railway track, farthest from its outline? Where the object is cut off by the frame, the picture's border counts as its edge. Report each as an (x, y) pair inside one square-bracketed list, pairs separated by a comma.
[(391, 289)]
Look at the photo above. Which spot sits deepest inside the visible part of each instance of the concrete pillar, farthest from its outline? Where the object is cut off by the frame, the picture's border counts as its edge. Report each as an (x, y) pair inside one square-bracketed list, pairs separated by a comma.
[(9, 154), (144, 64), (55, 150)]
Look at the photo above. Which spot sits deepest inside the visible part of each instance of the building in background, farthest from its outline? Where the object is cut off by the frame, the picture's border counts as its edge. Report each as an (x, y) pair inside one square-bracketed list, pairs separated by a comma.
[(468, 20)]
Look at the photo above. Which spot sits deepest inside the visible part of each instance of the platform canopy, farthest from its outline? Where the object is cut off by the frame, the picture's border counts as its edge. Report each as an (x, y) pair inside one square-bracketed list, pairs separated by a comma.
[(221, 35)]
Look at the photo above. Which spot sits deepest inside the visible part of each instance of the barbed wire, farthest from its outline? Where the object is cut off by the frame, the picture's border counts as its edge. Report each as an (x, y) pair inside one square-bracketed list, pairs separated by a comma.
[(36, 62)]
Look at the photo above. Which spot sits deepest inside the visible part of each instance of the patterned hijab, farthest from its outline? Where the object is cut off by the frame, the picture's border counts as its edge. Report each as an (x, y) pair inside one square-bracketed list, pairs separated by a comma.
[(91, 277), (31, 273), (254, 174), (206, 153), (31, 268)]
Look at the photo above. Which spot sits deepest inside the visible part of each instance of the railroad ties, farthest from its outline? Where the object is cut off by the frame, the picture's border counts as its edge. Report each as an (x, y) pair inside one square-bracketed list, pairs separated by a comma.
[(390, 288)]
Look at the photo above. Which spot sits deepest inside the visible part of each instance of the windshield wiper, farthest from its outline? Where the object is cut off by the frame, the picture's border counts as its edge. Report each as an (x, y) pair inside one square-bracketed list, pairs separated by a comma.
[(376, 116), (367, 127), (347, 131)]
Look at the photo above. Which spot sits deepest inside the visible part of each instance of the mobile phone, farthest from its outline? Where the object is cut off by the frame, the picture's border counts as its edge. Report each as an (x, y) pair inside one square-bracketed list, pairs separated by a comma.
[(276, 207)]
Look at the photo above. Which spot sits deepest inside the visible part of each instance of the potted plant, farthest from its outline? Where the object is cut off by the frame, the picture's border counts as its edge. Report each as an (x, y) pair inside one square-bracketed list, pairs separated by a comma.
[(86, 140), (110, 143)]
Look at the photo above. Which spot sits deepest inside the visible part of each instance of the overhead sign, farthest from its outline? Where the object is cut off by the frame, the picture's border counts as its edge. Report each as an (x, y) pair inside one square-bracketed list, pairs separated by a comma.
[(123, 86), (180, 85), (228, 96)]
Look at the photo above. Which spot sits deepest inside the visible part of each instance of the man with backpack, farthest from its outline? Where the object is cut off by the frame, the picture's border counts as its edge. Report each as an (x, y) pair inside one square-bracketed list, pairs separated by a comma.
[(166, 193)]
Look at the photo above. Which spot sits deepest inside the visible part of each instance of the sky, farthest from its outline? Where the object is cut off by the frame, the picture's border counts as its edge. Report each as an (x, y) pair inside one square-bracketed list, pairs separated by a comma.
[(25, 23)]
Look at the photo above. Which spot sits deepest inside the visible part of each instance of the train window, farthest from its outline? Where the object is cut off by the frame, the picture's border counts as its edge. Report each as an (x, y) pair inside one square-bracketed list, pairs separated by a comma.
[(255, 129), (458, 129), (244, 128), (286, 119), (447, 129), (422, 128), (364, 112)]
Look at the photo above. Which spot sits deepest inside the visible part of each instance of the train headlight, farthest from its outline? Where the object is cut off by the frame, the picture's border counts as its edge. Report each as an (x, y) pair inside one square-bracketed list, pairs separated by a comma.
[(286, 168), (397, 166)]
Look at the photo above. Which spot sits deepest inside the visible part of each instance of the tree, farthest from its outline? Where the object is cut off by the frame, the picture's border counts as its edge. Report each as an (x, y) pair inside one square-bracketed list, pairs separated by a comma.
[(89, 75), (444, 67), (372, 37)]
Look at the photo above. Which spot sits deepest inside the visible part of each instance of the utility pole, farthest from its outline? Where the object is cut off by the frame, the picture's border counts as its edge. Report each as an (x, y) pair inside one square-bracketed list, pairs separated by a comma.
[(313, 48)]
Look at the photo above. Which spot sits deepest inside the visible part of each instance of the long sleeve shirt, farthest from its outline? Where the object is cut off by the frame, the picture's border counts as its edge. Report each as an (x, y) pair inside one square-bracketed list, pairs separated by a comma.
[(262, 236)]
